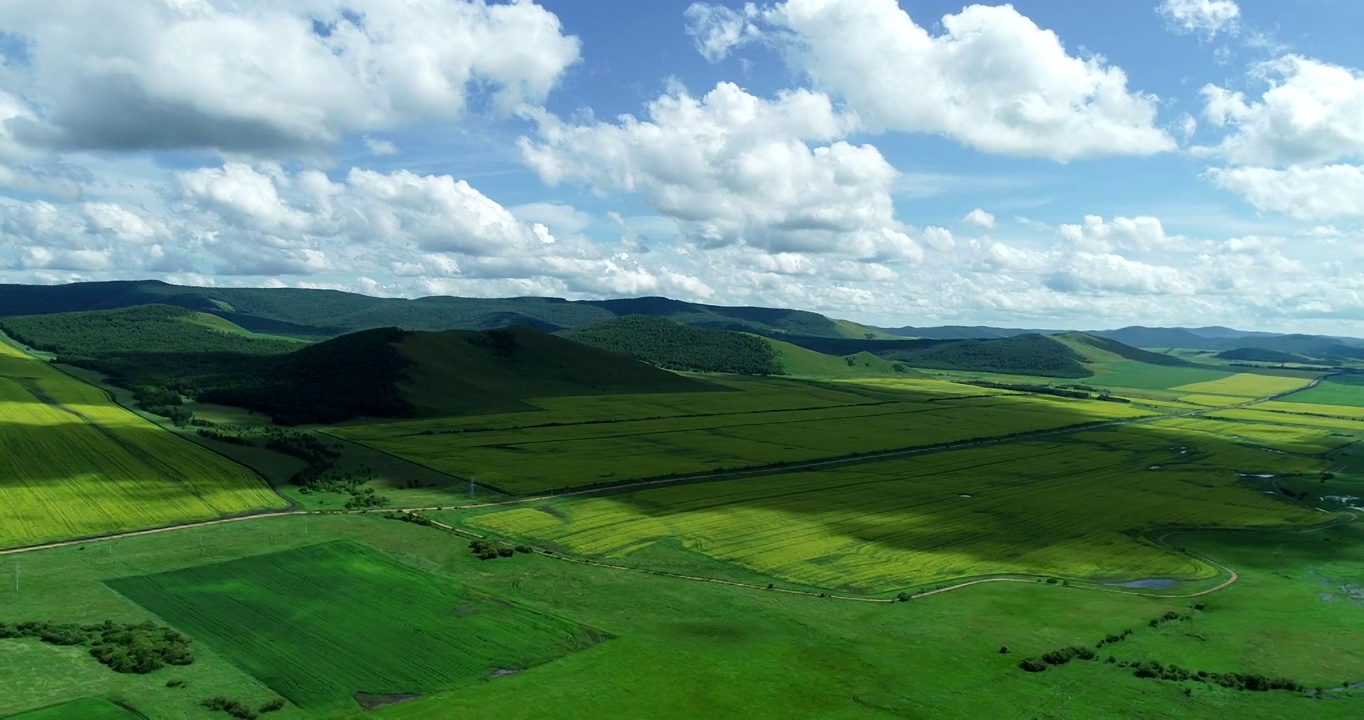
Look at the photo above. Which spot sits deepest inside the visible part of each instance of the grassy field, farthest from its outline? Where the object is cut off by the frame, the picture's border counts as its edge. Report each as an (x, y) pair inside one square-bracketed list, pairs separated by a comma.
[(1134, 374), (537, 458), (1062, 508), (1247, 385), (733, 651), (74, 464), (91, 708), (381, 627), (1342, 390)]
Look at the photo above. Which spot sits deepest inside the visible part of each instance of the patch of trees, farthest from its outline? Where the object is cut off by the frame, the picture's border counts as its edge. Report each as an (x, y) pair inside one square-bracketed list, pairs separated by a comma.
[(1019, 355), (138, 648), (1056, 657), (674, 346), (239, 709), (144, 329), (1155, 670), (489, 550), (1255, 354)]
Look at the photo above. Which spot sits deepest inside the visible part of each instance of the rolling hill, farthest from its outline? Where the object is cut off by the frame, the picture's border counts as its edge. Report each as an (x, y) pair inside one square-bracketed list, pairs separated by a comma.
[(1095, 349), (668, 344), (328, 313), (141, 329), (1251, 354)]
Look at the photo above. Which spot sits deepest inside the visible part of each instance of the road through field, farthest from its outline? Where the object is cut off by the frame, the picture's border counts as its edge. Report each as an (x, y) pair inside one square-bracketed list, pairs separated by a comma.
[(947, 447)]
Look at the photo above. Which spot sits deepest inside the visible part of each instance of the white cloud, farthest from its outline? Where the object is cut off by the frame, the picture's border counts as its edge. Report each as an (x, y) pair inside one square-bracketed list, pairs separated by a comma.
[(380, 147), (992, 79), (716, 29), (733, 168), (1139, 234), (1312, 113), (980, 219), (263, 77), (1110, 273), (1306, 193), (1207, 17)]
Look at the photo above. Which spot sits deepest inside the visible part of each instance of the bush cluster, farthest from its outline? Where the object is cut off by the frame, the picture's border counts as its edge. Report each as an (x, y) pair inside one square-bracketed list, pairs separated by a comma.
[(488, 550), (1154, 670), (1057, 657), (138, 648), (239, 709)]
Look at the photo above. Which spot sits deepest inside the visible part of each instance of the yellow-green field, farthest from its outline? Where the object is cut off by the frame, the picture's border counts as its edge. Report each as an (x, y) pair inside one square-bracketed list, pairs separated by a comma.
[(1063, 508), (1247, 385), (747, 432), (1276, 437), (1313, 409), (73, 464)]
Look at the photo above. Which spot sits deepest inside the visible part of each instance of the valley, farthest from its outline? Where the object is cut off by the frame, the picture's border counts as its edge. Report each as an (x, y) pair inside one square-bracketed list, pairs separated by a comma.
[(656, 516)]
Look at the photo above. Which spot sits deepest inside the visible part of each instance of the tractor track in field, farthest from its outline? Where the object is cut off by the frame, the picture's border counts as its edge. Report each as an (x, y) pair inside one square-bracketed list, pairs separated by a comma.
[(1233, 576)]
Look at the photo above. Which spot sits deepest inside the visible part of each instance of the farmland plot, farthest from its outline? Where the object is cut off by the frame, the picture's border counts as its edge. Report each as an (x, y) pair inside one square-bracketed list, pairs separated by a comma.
[(1346, 391), (320, 623), (73, 464), (1247, 385), (1062, 508), (530, 460)]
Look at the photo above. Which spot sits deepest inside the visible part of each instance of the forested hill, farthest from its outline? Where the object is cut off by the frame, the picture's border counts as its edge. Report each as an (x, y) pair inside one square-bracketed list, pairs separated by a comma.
[(141, 329), (328, 313), (671, 345), (1019, 355)]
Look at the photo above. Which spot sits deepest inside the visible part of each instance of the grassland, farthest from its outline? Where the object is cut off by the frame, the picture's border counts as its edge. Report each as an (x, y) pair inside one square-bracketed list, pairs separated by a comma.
[(1340, 390), (905, 414), (90, 708), (1248, 385), (380, 627), (73, 464), (1066, 508), (737, 652)]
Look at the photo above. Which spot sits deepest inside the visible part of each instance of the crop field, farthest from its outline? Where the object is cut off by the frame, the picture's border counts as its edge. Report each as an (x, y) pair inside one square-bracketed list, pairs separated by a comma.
[(322, 622), (1143, 376), (1342, 390), (91, 708), (74, 464), (1247, 385), (1058, 508), (536, 459), (1303, 408), (1274, 437), (1255, 414)]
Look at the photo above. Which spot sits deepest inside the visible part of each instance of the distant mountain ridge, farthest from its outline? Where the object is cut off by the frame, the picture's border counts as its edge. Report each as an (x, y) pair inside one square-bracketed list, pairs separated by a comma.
[(328, 313)]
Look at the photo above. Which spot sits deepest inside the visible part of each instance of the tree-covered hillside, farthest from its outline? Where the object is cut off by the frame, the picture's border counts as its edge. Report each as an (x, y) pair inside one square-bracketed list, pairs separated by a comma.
[(1020, 355), (328, 313), (1260, 355), (145, 328), (671, 345)]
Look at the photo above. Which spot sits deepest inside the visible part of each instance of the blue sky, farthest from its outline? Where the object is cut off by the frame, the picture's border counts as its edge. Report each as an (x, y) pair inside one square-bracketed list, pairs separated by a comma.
[(1044, 163)]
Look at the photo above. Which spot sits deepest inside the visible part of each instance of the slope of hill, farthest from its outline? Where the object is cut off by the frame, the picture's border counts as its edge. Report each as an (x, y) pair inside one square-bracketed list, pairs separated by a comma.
[(327, 313), (962, 332), (384, 372), (1260, 355), (142, 329), (460, 371), (671, 345), (1097, 349), (800, 362), (1148, 337), (1020, 355)]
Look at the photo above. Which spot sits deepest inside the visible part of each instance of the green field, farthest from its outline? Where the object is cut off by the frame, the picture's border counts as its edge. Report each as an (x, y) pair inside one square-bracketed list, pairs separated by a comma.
[(545, 456), (73, 464), (91, 708), (1343, 390), (321, 623), (1065, 508)]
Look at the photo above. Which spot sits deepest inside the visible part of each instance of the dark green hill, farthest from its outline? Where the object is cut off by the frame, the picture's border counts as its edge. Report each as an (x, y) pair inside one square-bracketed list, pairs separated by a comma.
[(144, 328), (456, 372), (671, 345), (1019, 355), (1261, 355), (328, 313), (1099, 349)]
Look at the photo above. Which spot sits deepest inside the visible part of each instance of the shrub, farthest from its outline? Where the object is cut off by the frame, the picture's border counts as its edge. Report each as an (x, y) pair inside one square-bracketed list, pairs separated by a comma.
[(1032, 665), (272, 706)]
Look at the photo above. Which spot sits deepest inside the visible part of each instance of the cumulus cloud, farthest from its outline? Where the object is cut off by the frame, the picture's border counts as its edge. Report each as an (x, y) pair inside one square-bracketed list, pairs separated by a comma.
[(1306, 193), (716, 29), (992, 79), (264, 77), (1312, 113), (1207, 17), (380, 147), (1139, 234), (734, 168), (980, 219)]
